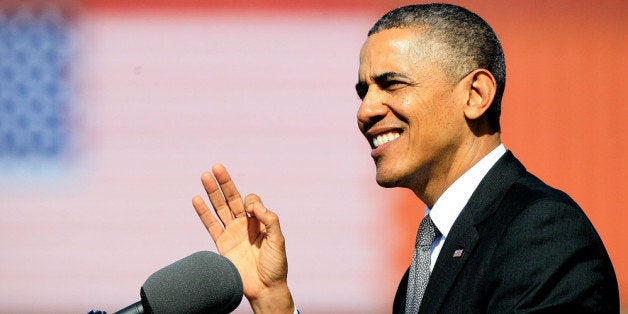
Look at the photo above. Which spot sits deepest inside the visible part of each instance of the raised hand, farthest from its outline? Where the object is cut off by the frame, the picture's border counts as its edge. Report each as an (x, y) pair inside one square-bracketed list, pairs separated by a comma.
[(249, 235)]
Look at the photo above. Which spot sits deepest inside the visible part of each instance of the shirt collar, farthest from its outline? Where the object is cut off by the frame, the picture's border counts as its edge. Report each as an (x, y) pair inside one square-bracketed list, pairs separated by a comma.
[(452, 201)]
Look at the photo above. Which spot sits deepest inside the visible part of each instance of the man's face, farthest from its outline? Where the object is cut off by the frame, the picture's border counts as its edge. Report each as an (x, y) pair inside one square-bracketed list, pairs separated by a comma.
[(411, 112)]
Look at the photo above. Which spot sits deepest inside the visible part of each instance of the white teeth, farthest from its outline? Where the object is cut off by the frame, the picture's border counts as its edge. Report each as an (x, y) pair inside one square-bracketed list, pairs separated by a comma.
[(384, 138)]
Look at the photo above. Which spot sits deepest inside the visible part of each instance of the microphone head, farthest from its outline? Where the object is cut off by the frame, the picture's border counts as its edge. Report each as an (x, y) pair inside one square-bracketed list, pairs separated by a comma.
[(203, 282)]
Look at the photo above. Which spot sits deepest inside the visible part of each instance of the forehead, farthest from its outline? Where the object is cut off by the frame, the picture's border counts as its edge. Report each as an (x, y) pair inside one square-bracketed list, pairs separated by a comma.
[(396, 49)]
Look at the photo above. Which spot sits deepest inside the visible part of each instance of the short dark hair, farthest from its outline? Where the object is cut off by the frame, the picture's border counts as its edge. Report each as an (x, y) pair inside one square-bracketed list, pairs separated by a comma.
[(472, 43)]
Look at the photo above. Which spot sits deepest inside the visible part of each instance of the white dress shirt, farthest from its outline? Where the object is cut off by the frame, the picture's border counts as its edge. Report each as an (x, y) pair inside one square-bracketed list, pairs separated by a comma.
[(450, 204)]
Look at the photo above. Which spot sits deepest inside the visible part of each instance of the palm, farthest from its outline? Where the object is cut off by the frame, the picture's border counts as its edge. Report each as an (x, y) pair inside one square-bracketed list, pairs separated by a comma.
[(243, 247)]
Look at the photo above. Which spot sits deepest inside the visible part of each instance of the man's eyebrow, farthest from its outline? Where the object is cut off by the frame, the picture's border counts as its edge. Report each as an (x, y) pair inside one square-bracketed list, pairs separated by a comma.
[(387, 76)]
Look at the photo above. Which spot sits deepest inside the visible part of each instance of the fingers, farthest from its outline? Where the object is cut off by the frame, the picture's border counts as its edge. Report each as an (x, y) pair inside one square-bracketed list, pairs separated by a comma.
[(250, 200), (228, 205), (216, 198), (208, 219), (225, 199), (229, 190), (269, 219)]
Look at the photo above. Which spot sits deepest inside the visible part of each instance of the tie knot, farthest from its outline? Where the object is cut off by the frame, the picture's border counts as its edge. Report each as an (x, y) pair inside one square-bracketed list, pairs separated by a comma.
[(427, 232)]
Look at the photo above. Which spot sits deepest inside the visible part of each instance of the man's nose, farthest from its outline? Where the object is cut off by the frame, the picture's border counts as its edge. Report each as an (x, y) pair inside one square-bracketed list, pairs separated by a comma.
[(373, 107)]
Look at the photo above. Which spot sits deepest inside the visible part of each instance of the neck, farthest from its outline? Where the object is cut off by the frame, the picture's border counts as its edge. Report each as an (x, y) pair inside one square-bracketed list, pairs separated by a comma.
[(440, 178)]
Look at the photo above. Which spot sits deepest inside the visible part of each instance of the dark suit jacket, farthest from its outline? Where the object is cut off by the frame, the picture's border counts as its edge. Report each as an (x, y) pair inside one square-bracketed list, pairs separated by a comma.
[(526, 248)]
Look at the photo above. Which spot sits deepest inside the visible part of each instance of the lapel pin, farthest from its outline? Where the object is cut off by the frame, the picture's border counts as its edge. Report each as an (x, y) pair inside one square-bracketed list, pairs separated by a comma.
[(458, 253)]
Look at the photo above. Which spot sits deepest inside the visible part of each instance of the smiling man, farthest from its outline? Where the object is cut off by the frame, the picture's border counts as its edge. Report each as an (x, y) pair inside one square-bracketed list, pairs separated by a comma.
[(494, 238), (431, 80), (426, 126)]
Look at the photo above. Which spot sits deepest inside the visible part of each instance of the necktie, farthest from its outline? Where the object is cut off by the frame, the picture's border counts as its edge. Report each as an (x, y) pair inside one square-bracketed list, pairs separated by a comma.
[(420, 268)]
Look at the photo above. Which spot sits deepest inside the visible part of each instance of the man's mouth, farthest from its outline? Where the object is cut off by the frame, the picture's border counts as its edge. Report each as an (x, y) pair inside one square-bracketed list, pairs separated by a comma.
[(385, 138)]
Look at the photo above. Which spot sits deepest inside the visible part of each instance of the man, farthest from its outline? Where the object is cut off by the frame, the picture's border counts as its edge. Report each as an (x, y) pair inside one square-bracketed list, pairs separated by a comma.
[(494, 239)]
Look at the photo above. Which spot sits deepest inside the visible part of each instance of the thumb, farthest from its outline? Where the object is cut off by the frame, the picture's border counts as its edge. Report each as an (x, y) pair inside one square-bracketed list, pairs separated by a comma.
[(270, 220)]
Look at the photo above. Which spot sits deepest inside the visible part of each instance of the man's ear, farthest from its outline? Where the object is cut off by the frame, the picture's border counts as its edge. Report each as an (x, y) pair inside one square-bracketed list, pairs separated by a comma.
[(482, 90)]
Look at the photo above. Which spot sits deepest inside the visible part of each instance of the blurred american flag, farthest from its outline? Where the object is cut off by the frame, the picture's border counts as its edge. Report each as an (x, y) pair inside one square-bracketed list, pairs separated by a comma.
[(35, 85)]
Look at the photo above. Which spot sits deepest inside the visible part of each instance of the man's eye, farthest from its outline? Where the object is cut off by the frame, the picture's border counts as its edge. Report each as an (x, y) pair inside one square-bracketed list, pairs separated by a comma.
[(393, 85), (361, 90), (361, 95)]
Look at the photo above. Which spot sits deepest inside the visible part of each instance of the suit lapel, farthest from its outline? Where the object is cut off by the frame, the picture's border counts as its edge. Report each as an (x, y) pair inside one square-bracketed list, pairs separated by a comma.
[(464, 235), (460, 242)]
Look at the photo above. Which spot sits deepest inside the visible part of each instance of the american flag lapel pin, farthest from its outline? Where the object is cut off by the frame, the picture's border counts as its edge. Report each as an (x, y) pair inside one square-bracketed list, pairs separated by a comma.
[(458, 253)]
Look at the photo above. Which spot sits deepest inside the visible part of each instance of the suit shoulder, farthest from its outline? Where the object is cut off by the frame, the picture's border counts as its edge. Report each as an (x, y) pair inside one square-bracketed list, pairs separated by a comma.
[(529, 190), (540, 247), (531, 202), (532, 211)]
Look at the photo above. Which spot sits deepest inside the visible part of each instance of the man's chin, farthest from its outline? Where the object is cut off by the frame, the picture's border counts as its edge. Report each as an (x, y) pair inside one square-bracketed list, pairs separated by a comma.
[(386, 181)]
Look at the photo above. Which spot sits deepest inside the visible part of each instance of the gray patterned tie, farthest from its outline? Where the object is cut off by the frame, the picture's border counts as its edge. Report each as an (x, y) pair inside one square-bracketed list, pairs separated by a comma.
[(420, 268)]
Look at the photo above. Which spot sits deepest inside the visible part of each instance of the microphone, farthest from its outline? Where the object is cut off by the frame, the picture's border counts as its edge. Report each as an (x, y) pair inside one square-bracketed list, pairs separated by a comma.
[(203, 282)]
